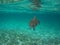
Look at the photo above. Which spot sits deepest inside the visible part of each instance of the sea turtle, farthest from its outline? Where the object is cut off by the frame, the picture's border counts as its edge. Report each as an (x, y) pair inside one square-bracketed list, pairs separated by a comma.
[(34, 22)]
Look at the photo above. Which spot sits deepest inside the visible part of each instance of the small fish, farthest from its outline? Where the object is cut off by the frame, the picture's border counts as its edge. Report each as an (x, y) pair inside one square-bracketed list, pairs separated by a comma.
[(34, 22)]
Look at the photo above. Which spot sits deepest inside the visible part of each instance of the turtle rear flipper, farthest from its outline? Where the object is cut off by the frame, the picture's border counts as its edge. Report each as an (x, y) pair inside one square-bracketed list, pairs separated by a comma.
[(34, 28)]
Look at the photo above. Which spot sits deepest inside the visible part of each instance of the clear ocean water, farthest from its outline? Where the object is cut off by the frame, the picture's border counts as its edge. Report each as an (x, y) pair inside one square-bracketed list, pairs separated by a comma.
[(15, 30)]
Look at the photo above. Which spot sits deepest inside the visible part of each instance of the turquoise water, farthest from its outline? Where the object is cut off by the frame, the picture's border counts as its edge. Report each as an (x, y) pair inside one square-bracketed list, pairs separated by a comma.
[(15, 18), (15, 26)]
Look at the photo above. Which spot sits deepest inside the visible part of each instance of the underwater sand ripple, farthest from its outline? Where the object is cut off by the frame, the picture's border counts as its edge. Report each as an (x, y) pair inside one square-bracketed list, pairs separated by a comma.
[(15, 38)]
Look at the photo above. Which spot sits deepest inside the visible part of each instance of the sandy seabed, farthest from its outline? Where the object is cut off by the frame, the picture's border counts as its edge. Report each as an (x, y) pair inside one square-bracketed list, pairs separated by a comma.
[(13, 37)]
